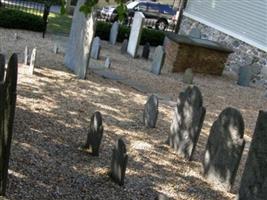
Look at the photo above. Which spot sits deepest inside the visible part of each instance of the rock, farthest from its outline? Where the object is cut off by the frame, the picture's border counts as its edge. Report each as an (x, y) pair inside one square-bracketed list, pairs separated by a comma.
[(244, 76), (158, 60), (96, 47), (95, 133), (187, 122), (146, 50), (195, 33), (188, 76), (124, 46), (224, 148), (135, 34), (107, 62), (254, 179), (114, 33), (119, 162), (150, 115)]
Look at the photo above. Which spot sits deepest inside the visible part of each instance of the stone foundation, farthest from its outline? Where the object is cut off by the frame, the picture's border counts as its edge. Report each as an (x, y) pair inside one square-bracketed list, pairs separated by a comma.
[(243, 52)]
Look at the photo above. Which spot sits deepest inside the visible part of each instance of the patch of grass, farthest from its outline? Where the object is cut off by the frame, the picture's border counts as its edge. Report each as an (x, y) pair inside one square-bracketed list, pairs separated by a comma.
[(59, 24)]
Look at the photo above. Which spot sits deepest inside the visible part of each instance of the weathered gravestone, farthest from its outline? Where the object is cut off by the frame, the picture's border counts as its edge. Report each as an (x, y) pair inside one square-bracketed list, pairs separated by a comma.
[(32, 61), (244, 76), (150, 115), (187, 122), (188, 76), (95, 133), (124, 46), (135, 34), (119, 162), (114, 33), (195, 33), (8, 96), (224, 148), (26, 55), (55, 48), (146, 50), (254, 179), (107, 63), (158, 60), (80, 41), (96, 46), (2, 66)]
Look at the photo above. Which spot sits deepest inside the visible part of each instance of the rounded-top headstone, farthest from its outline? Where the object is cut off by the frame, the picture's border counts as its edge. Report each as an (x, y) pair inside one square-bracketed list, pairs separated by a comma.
[(188, 76)]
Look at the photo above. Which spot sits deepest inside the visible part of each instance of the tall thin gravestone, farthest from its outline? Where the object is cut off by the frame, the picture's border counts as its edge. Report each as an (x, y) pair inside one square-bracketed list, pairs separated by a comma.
[(124, 46), (158, 60), (224, 148), (96, 48), (135, 34), (254, 179), (26, 55), (32, 61), (95, 133), (150, 115), (146, 50), (119, 162), (114, 33), (80, 41), (187, 122)]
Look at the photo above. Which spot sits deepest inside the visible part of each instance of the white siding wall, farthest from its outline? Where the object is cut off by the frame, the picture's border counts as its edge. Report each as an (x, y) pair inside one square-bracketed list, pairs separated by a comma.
[(243, 19)]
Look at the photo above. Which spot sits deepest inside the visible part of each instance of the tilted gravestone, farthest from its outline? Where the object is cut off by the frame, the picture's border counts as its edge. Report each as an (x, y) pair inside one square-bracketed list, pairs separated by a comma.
[(26, 55), (114, 33), (80, 41), (146, 50), (188, 76), (245, 75), (96, 46), (32, 61), (8, 96), (150, 115), (158, 60), (119, 162), (195, 33), (224, 148), (187, 122), (135, 34), (95, 133), (254, 179), (2, 66), (124, 46)]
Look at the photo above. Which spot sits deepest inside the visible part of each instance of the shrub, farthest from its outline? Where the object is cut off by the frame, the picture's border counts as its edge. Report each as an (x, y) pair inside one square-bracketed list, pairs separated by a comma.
[(20, 20), (154, 37)]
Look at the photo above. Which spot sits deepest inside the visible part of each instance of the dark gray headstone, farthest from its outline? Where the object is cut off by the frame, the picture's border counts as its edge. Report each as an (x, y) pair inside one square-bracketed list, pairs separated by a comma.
[(96, 46), (188, 76), (150, 115), (224, 148), (158, 60), (195, 33), (114, 33), (254, 179), (2, 66), (187, 122), (107, 62), (26, 55), (124, 46), (146, 51), (119, 162), (95, 133), (244, 76)]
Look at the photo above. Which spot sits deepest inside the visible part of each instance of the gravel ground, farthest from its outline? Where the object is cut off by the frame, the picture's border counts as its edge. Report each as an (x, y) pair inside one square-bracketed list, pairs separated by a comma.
[(53, 114)]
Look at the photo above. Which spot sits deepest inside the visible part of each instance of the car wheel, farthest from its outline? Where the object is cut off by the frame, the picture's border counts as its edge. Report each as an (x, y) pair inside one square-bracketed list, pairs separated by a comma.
[(161, 24)]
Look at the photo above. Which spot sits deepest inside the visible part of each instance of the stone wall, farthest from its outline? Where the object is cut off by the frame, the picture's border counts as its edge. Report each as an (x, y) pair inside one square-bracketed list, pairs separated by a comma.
[(243, 54)]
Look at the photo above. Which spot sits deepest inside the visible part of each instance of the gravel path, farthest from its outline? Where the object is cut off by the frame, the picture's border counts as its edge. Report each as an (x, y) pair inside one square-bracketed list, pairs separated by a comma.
[(53, 114)]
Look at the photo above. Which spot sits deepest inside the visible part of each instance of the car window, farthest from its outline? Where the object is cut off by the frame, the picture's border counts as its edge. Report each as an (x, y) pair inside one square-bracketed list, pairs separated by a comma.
[(153, 8), (141, 7)]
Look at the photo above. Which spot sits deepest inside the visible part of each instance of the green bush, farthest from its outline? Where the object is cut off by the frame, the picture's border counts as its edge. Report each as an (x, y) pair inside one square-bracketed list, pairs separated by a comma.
[(154, 37), (20, 20)]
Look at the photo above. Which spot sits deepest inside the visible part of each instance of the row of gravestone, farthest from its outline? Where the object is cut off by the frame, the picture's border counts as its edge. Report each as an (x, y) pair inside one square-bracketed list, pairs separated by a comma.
[(225, 143), (223, 150), (8, 87)]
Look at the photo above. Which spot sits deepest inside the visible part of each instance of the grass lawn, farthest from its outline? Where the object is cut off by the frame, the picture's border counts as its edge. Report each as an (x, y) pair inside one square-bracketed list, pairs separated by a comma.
[(59, 24)]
